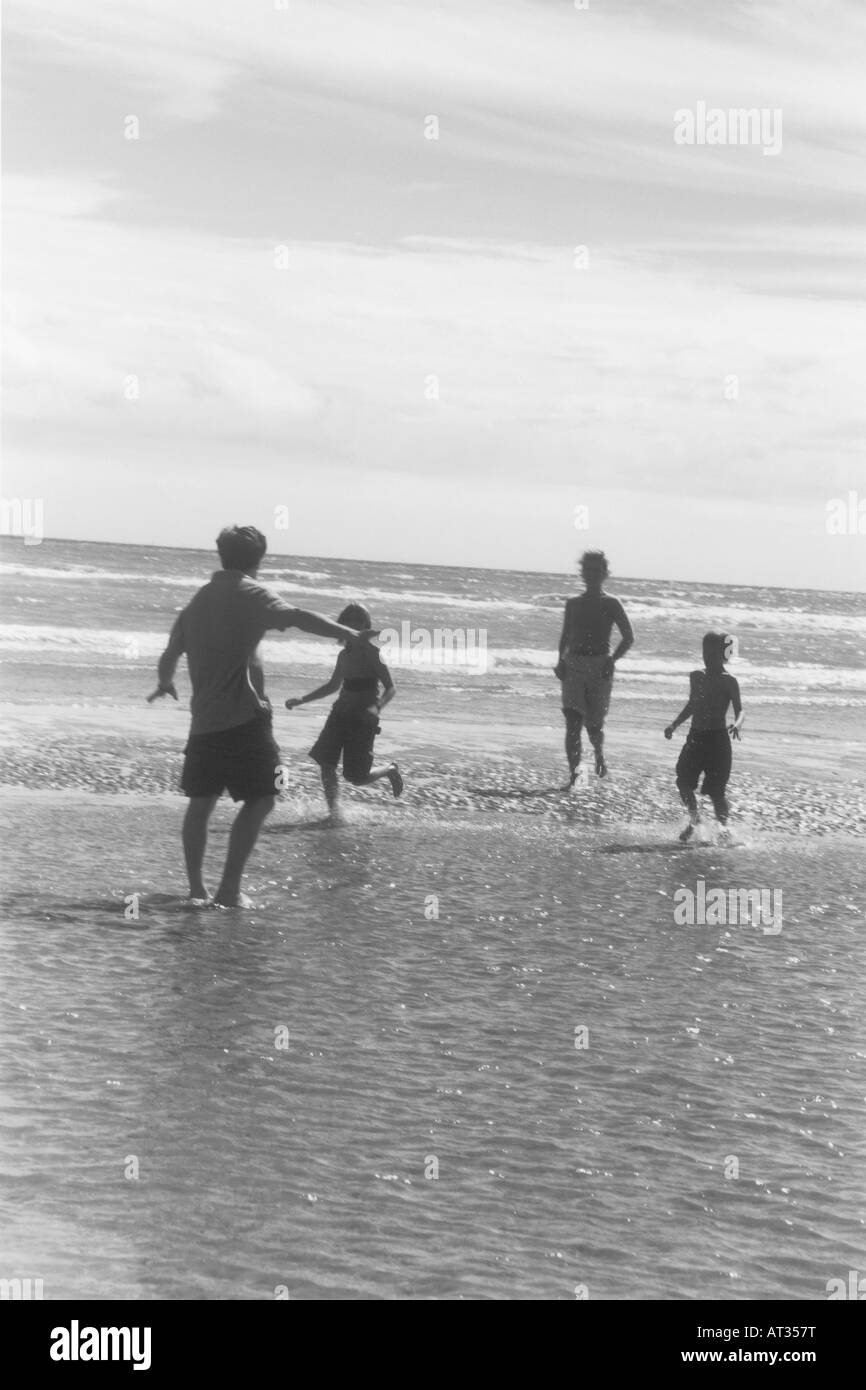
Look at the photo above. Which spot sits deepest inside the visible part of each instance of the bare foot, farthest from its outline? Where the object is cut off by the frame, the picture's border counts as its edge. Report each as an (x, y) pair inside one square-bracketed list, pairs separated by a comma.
[(687, 833), (336, 817), (201, 899), (232, 900), (395, 779)]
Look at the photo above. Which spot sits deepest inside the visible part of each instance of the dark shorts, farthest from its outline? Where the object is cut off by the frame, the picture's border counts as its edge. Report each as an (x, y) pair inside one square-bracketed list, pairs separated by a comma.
[(708, 753), (242, 760), (585, 691), (351, 735)]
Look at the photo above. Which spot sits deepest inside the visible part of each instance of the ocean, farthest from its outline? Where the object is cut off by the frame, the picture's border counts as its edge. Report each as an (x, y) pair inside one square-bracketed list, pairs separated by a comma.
[(463, 1046), (80, 605)]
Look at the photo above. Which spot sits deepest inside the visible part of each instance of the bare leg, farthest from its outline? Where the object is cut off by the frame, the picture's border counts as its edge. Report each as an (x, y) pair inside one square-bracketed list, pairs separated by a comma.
[(194, 835), (687, 796), (389, 770), (375, 774), (245, 831), (721, 808), (331, 788), (596, 738), (573, 726)]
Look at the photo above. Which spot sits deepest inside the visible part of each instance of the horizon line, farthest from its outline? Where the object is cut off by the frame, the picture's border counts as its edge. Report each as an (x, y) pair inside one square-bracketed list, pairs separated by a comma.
[(482, 569)]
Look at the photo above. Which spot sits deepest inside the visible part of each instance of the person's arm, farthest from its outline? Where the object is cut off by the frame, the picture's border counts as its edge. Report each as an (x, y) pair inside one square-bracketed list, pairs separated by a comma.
[(626, 634), (739, 713), (559, 668), (168, 663), (277, 616), (685, 713), (329, 688), (320, 626), (390, 689), (566, 627)]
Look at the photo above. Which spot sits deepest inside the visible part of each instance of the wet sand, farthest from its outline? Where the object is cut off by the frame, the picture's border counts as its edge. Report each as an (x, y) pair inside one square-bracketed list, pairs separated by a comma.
[(786, 781), (428, 967), (428, 970)]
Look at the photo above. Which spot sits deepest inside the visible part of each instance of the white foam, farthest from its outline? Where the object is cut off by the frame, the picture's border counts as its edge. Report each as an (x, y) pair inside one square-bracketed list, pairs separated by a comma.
[(79, 572), (399, 604), (733, 619), (26, 639), (654, 670), (401, 600), (268, 574)]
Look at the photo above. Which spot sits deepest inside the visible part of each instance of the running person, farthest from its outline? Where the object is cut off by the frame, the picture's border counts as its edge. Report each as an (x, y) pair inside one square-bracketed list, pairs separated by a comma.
[(586, 664), (353, 722), (231, 745), (707, 749)]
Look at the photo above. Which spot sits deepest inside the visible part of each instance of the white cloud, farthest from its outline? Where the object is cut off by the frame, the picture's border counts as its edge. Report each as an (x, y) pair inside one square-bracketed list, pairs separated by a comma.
[(450, 259)]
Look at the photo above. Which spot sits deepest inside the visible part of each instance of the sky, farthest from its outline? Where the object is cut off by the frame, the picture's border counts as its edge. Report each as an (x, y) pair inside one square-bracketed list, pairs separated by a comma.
[(435, 281)]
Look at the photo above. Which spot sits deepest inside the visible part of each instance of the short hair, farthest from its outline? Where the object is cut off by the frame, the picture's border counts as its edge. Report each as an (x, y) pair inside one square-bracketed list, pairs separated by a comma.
[(713, 646), (355, 615), (241, 547), (593, 558)]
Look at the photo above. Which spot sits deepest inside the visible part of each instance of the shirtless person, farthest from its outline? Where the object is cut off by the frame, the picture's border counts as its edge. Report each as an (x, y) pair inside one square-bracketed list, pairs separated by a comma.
[(230, 743), (586, 664), (707, 749)]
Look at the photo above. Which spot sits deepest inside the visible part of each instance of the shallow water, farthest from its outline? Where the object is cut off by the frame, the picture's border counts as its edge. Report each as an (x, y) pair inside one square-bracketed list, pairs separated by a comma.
[(413, 1038), (429, 963)]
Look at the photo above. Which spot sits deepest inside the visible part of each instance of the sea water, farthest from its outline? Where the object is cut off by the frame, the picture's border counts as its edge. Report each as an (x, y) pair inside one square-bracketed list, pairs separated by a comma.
[(462, 1047)]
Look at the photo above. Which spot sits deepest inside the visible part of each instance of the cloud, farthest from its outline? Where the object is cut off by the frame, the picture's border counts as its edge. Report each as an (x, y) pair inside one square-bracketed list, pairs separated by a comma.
[(432, 323), (431, 356)]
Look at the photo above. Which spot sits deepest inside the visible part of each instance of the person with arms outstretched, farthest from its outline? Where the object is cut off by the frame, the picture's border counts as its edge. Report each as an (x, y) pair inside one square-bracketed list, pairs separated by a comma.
[(231, 746)]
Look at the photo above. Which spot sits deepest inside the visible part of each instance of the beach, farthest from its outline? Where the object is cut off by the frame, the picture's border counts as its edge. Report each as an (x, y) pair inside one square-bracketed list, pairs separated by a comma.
[(460, 1047)]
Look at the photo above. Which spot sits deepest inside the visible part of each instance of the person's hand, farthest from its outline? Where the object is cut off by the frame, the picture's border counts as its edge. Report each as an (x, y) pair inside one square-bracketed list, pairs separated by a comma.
[(669, 731), (162, 690), (559, 670), (365, 635), (734, 731), (607, 668), (292, 704)]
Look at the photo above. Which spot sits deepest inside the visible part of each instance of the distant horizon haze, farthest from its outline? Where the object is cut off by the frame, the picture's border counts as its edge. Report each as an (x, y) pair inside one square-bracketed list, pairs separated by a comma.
[(565, 573)]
